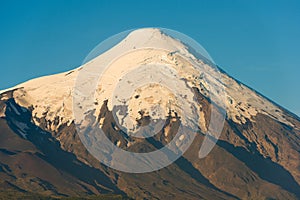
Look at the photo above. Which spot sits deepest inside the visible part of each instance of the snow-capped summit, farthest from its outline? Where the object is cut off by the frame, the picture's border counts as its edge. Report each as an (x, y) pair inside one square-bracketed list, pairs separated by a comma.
[(147, 76), (51, 96)]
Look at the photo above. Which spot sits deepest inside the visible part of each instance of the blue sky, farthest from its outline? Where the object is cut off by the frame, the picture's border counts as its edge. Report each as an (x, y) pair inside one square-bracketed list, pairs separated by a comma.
[(255, 41)]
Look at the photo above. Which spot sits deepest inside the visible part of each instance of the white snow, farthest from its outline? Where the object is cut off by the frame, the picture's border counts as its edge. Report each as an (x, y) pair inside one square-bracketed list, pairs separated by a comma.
[(181, 137), (119, 143), (53, 94)]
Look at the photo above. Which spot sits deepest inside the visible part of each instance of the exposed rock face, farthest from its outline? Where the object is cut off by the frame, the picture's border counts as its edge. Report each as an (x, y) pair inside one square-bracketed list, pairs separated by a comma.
[(256, 157)]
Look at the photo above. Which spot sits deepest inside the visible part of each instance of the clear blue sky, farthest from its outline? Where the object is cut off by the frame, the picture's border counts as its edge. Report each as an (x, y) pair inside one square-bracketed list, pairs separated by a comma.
[(255, 41)]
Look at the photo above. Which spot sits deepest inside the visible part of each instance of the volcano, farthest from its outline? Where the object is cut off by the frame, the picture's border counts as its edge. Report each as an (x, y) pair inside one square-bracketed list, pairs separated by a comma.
[(255, 156)]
